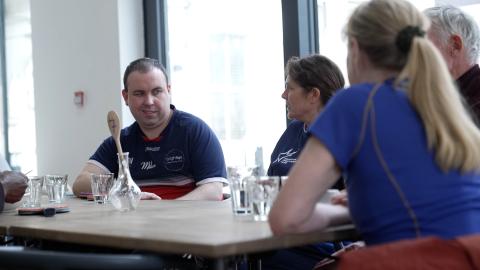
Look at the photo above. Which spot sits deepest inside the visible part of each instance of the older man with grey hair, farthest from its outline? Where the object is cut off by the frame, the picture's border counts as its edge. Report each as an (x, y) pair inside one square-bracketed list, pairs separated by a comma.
[(457, 36)]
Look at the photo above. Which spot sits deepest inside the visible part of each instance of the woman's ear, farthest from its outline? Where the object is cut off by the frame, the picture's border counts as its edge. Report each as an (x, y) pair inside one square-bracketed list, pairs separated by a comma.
[(315, 95), (356, 61), (315, 92), (354, 50)]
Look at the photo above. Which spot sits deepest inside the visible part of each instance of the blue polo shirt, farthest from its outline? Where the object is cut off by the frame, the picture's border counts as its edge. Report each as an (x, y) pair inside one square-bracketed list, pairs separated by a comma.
[(187, 153)]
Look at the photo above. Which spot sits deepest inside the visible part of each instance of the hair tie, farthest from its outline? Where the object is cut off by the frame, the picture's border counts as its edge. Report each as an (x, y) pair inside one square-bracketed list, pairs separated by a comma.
[(405, 37)]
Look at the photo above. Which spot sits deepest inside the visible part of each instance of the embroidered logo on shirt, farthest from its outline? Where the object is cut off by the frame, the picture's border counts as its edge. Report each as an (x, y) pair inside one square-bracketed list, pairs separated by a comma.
[(286, 157), (174, 160), (152, 149), (147, 165)]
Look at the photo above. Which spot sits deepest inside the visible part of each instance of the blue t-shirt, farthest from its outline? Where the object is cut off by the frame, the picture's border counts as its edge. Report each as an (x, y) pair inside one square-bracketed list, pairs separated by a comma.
[(288, 148), (187, 152), (446, 204)]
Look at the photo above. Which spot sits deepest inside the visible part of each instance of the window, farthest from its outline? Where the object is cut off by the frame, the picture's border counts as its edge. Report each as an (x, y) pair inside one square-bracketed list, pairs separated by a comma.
[(226, 66), (225, 58), (19, 66), (332, 18)]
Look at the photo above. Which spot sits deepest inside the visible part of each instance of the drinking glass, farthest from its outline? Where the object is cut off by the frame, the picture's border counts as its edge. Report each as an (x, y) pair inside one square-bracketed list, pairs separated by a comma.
[(263, 191), (56, 186), (101, 185), (33, 199), (238, 181)]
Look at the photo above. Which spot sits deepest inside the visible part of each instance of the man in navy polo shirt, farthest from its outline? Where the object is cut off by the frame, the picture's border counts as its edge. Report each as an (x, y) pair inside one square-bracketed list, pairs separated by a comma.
[(174, 155)]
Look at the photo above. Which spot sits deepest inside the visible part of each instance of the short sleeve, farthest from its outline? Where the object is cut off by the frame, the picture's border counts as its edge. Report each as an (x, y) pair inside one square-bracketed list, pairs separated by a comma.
[(106, 155), (338, 125), (206, 153)]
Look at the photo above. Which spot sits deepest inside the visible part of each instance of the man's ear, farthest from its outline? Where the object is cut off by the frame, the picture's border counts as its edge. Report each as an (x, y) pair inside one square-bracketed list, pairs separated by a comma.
[(169, 91), (125, 96), (456, 44)]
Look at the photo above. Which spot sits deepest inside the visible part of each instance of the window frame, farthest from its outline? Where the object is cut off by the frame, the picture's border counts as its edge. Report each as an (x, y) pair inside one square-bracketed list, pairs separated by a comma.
[(3, 84)]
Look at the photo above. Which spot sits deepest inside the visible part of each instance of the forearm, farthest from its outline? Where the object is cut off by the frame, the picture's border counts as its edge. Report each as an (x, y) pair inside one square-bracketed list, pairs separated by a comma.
[(82, 184), (210, 192), (296, 208), (323, 216)]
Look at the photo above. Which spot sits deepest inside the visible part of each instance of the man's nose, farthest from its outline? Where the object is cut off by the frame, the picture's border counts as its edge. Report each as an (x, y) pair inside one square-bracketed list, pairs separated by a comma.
[(149, 99)]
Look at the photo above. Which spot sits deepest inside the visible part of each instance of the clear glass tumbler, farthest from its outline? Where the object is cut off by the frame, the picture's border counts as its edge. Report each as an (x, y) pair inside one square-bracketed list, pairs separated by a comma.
[(101, 185), (56, 186), (35, 184), (263, 191), (241, 203)]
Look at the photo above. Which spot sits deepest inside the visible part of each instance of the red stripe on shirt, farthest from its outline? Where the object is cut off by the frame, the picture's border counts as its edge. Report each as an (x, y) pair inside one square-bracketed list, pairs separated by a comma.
[(156, 139), (169, 192)]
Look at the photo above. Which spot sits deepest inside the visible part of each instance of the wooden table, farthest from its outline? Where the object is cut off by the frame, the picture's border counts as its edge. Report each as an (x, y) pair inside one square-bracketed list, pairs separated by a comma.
[(202, 228)]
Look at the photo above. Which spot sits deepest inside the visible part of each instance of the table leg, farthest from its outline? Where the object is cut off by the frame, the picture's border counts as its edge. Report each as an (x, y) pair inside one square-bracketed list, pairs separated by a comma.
[(255, 264), (219, 264)]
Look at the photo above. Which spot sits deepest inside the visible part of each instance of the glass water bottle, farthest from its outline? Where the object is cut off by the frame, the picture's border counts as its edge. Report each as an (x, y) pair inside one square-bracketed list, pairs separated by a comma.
[(125, 194)]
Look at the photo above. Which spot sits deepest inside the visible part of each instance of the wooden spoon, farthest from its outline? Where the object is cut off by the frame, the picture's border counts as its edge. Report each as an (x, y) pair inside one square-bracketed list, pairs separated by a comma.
[(114, 126)]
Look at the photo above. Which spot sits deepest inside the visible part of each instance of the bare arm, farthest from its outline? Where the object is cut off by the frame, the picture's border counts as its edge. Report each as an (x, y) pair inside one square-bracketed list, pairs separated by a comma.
[(210, 191), (296, 209), (82, 182)]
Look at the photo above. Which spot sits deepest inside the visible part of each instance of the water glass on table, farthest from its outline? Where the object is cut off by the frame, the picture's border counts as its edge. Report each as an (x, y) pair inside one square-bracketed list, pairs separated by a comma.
[(56, 186), (263, 191), (101, 185), (33, 199), (238, 179)]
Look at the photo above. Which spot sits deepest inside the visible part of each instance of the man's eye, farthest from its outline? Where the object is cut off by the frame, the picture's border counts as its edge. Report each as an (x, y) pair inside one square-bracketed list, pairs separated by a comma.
[(137, 94)]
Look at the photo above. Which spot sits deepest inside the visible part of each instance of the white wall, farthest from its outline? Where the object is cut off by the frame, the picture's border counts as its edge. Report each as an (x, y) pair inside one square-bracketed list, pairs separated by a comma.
[(80, 45)]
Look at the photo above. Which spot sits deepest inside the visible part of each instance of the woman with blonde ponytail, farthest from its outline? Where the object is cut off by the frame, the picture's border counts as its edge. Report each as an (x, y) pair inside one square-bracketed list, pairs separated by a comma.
[(400, 134)]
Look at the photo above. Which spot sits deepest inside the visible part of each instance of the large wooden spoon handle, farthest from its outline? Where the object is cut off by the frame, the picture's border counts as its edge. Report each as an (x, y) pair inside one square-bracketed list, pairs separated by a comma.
[(114, 127)]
